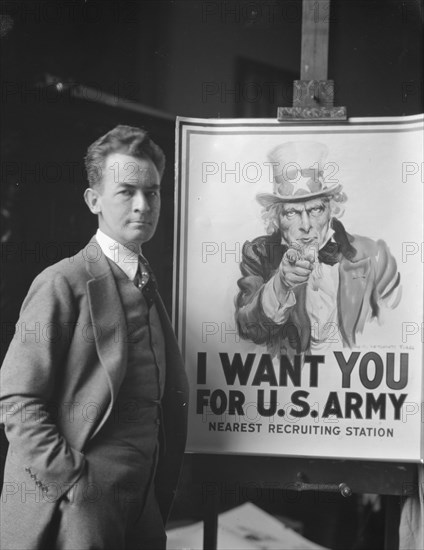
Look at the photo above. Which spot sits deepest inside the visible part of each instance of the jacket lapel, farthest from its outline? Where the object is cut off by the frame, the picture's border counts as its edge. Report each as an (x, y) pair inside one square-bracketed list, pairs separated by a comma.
[(109, 324), (352, 288)]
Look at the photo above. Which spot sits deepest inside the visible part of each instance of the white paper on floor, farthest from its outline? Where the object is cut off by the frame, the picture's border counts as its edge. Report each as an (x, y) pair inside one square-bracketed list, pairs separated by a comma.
[(246, 527)]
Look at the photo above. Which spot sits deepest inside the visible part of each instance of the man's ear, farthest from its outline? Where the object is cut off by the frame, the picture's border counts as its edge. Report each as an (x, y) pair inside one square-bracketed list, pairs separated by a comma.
[(92, 198)]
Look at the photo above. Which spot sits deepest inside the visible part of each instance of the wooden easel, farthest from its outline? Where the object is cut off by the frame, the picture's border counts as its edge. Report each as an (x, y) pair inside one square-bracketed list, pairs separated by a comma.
[(313, 94), (313, 102)]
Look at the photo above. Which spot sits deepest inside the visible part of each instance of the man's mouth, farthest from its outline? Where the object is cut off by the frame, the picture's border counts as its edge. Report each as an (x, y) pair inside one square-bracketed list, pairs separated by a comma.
[(141, 222)]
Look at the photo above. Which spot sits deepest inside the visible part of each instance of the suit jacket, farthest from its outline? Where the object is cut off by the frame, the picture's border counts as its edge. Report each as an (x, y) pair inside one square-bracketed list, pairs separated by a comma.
[(368, 277), (59, 381)]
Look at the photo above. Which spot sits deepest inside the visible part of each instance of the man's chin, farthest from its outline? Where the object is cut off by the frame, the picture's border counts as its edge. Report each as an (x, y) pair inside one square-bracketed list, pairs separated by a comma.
[(143, 235), (134, 239), (138, 239)]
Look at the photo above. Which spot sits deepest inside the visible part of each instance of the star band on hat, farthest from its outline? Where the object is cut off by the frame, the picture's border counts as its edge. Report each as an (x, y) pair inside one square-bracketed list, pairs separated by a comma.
[(298, 173)]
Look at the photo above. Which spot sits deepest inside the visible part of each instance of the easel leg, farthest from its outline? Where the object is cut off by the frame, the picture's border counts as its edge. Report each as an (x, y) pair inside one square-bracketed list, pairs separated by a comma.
[(210, 523), (391, 522)]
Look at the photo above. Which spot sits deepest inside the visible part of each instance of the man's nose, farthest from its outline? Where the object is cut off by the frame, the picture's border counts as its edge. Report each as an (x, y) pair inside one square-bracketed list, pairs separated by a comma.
[(141, 204), (305, 222)]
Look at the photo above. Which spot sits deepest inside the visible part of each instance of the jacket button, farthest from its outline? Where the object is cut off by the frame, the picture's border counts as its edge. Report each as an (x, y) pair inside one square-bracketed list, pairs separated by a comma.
[(38, 483), (27, 469), (45, 489), (33, 476)]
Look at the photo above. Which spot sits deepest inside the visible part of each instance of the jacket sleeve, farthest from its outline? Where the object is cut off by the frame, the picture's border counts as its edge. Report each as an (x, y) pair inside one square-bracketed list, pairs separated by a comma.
[(29, 380), (174, 416), (252, 322), (387, 289)]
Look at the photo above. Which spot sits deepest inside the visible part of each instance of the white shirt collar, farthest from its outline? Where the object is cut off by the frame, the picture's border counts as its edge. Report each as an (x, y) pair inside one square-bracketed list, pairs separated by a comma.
[(124, 258), (327, 237)]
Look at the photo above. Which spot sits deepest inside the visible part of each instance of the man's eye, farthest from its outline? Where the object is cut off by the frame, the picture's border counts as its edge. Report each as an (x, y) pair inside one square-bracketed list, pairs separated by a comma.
[(153, 194), (290, 214), (317, 210)]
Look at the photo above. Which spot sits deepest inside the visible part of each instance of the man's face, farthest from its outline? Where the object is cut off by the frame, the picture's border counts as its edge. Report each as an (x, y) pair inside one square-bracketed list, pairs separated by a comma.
[(128, 200), (305, 223)]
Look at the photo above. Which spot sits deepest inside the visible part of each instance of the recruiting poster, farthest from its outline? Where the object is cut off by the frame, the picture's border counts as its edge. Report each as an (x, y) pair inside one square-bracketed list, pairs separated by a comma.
[(298, 286)]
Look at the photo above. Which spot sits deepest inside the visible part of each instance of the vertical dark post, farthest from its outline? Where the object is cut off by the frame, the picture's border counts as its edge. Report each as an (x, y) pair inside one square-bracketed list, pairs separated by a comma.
[(313, 94), (210, 524), (391, 505), (315, 32)]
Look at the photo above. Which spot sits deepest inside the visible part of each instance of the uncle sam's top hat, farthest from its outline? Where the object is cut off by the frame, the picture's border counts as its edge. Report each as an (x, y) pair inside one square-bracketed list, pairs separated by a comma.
[(298, 173)]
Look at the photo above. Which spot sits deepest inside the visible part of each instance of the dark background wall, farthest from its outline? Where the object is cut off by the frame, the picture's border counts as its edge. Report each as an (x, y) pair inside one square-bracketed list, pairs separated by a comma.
[(199, 58), (375, 51)]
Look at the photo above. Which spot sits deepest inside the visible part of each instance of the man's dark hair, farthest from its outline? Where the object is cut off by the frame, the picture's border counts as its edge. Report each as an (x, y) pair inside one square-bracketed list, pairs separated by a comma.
[(127, 140)]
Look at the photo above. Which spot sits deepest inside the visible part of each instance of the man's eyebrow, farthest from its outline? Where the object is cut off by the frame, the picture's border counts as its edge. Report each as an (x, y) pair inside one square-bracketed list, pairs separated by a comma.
[(134, 184), (316, 205), (152, 187), (291, 209)]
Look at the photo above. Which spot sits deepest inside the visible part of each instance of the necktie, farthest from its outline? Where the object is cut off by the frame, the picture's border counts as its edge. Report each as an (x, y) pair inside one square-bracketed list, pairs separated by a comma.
[(146, 281), (329, 253)]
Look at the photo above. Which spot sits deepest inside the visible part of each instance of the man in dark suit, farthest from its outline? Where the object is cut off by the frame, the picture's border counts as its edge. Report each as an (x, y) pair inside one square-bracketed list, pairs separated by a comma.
[(309, 284), (93, 388)]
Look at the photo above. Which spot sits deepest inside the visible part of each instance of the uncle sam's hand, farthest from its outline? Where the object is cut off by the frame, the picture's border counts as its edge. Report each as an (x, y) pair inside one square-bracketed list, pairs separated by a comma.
[(296, 266)]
